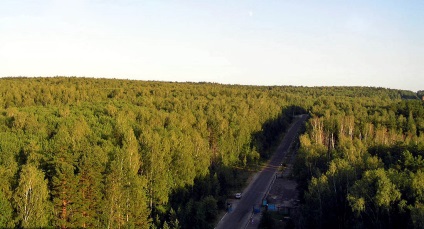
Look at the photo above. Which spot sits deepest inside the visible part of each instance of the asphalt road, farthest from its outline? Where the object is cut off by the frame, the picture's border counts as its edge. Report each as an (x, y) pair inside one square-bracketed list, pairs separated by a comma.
[(254, 193)]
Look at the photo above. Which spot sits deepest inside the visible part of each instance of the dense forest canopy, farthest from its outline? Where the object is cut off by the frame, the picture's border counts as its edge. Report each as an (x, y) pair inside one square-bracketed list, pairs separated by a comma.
[(83, 152)]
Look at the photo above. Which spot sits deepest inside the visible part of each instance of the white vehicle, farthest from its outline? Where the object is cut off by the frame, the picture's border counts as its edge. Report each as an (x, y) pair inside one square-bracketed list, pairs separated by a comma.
[(238, 195)]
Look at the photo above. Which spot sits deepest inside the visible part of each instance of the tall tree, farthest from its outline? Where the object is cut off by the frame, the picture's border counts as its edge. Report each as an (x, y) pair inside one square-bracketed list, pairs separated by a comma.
[(31, 198), (65, 179), (126, 203), (156, 161), (90, 188)]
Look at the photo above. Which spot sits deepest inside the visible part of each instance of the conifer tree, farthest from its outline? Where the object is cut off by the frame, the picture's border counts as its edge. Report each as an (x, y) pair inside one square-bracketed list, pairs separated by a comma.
[(90, 188), (65, 180)]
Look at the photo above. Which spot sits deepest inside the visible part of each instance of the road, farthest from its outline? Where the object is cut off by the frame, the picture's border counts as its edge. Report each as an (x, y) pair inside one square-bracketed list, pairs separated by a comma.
[(254, 193)]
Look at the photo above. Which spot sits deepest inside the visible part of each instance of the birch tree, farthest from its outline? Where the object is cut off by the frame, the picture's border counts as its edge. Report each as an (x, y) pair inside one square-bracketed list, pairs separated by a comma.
[(31, 198)]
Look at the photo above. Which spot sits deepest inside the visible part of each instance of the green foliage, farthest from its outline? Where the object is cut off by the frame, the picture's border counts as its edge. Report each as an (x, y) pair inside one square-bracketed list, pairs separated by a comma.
[(206, 213), (6, 218), (31, 198), (362, 169), (374, 196), (121, 153)]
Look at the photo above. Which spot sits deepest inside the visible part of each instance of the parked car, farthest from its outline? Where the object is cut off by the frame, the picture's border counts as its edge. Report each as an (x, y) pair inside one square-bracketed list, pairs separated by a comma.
[(238, 195)]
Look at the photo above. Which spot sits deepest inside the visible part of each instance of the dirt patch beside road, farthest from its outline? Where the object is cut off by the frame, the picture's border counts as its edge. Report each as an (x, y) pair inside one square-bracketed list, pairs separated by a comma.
[(283, 192)]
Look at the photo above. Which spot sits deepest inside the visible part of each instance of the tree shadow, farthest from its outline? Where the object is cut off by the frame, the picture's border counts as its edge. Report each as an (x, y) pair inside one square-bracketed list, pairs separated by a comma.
[(271, 130), (198, 205)]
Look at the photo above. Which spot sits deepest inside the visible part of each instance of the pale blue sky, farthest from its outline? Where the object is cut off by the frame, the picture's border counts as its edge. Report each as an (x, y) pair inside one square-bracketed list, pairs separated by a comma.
[(285, 42)]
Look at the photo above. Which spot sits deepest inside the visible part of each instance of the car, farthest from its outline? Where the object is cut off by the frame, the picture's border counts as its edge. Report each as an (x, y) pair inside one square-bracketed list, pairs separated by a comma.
[(238, 195)]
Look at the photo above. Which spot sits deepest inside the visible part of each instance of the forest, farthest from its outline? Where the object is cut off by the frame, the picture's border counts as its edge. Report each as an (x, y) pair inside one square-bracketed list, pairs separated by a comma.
[(108, 153), (360, 164)]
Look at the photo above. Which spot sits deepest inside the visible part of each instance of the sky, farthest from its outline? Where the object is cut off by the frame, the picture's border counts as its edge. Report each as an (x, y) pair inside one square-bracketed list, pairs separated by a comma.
[(285, 42)]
